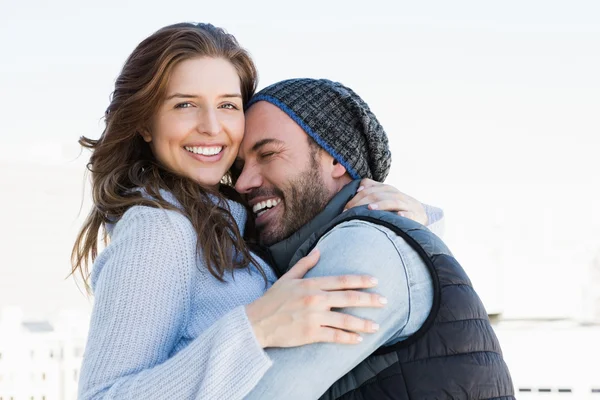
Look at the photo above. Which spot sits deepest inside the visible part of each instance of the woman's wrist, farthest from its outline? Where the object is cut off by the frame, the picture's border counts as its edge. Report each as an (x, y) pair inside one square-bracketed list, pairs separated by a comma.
[(255, 324)]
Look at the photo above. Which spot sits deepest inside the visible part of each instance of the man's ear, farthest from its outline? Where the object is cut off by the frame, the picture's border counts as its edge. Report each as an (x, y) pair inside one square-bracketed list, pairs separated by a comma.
[(145, 134), (338, 170)]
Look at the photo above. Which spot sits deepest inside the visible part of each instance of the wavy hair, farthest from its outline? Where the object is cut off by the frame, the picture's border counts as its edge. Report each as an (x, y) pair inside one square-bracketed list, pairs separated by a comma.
[(122, 163)]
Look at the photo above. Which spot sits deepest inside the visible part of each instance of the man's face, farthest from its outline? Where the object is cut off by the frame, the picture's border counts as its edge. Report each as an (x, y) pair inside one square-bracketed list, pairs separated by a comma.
[(281, 174)]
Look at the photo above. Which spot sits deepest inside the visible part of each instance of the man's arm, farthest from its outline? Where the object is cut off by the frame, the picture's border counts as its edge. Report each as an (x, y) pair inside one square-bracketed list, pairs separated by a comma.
[(354, 247)]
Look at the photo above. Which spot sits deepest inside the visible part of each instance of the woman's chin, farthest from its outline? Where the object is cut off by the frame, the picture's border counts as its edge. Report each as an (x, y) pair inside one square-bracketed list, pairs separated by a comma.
[(209, 182)]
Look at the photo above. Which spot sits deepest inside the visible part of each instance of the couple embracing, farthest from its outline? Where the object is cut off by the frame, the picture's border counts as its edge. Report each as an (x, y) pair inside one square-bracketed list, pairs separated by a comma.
[(254, 251)]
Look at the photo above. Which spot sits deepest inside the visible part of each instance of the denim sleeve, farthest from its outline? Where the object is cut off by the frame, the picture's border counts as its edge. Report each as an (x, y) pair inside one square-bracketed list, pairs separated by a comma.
[(355, 247)]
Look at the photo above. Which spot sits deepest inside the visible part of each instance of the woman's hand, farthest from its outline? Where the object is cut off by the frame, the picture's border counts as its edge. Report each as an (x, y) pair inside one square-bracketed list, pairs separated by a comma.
[(379, 196), (296, 311)]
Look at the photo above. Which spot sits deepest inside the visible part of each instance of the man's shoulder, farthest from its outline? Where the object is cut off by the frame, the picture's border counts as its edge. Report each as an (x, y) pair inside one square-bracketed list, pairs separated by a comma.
[(361, 226), (362, 236)]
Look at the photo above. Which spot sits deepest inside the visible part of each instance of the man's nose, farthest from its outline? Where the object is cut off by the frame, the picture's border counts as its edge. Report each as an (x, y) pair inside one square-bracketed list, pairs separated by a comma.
[(208, 122), (248, 180)]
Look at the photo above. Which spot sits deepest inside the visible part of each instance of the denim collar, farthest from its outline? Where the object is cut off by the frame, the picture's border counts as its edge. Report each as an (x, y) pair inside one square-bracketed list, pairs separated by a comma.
[(282, 252)]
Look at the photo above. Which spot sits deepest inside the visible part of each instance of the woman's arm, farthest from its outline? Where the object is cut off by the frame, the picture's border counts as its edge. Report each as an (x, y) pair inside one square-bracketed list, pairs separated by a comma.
[(385, 197), (354, 247), (142, 295)]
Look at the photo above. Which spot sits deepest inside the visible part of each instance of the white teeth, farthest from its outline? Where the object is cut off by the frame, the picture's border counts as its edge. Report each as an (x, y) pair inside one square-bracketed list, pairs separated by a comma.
[(205, 151), (260, 208)]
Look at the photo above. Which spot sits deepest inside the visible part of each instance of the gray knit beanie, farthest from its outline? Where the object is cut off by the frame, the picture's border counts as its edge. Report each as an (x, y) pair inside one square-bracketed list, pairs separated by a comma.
[(338, 120)]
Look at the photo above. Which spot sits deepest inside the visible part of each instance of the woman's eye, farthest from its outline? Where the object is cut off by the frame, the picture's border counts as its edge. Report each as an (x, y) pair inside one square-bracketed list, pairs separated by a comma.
[(183, 105), (229, 106)]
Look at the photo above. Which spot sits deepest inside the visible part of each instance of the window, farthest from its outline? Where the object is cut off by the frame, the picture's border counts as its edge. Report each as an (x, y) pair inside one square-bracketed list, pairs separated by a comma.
[(43, 376), (75, 375)]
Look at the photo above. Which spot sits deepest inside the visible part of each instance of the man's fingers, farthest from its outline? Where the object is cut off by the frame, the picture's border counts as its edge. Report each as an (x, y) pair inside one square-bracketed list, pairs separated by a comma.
[(303, 266)]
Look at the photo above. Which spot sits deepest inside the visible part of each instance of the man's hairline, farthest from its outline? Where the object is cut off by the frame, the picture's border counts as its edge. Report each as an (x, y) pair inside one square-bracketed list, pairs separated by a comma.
[(306, 128), (314, 147)]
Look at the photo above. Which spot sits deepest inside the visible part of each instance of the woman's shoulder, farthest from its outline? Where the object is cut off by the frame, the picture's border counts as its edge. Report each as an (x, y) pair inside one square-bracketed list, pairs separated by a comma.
[(149, 229), (152, 219), (150, 241)]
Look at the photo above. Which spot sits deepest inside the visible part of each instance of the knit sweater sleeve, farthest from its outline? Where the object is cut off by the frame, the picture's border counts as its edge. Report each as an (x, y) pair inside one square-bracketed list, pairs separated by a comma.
[(436, 219), (142, 295)]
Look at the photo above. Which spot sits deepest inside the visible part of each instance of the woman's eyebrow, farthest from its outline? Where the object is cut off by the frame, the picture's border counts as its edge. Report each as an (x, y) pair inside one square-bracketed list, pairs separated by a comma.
[(191, 96), (180, 95)]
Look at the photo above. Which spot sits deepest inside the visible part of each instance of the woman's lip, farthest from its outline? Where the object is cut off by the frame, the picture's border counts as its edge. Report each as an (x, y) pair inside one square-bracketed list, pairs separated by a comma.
[(208, 159), (205, 145), (264, 218)]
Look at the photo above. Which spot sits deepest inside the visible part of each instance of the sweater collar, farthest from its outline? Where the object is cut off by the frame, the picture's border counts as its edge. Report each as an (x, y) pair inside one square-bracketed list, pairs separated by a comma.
[(238, 211)]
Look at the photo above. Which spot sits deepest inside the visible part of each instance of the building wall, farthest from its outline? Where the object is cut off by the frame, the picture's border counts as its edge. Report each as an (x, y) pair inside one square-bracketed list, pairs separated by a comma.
[(40, 365)]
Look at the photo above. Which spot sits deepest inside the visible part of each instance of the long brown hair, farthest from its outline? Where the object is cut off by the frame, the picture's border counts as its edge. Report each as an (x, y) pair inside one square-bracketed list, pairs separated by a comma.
[(122, 162)]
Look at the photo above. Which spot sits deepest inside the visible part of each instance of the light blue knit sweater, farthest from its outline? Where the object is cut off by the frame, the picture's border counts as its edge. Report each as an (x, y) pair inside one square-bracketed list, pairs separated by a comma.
[(162, 326)]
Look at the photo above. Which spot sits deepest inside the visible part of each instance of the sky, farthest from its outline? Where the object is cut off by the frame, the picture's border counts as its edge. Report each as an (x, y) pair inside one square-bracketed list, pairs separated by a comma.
[(491, 109)]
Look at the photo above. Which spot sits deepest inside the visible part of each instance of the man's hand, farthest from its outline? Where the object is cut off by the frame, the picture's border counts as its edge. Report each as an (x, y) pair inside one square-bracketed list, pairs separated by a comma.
[(380, 196)]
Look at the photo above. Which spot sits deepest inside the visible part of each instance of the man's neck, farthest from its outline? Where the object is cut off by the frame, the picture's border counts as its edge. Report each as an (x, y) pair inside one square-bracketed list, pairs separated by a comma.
[(282, 252)]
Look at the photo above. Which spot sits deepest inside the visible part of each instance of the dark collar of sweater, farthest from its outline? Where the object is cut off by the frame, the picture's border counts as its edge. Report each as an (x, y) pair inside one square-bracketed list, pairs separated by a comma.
[(282, 252)]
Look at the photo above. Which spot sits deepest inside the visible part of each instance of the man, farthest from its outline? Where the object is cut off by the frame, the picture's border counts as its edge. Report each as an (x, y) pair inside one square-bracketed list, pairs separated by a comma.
[(307, 144)]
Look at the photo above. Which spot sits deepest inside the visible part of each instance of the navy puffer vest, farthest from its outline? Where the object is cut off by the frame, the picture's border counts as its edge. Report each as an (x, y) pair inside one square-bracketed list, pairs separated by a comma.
[(454, 355)]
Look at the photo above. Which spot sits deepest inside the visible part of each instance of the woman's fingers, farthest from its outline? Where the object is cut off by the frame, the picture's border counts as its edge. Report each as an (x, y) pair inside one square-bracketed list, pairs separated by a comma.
[(331, 335), (375, 193), (296, 311), (379, 196), (340, 282), (366, 182), (343, 328), (302, 266), (349, 322), (389, 205), (353, 298)]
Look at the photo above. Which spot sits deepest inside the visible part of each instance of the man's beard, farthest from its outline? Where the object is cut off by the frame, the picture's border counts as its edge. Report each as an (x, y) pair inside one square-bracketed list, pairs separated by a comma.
[(304, 197)]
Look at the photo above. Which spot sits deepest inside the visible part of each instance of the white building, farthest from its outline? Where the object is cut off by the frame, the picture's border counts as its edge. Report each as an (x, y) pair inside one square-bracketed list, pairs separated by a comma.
[(39, 360)]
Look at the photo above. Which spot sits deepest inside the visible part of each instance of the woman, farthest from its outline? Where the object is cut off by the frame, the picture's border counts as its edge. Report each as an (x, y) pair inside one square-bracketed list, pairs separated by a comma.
[(173, 287)]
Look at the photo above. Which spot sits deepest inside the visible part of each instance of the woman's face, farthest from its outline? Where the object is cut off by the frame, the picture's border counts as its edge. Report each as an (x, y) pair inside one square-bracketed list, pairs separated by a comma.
[(197, 129)]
